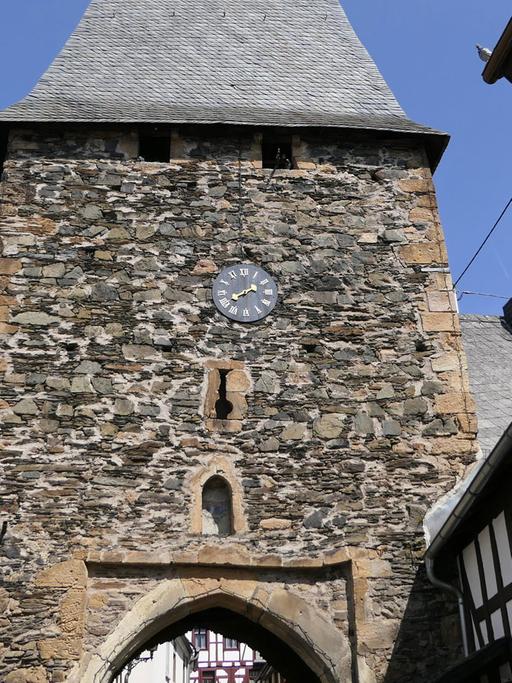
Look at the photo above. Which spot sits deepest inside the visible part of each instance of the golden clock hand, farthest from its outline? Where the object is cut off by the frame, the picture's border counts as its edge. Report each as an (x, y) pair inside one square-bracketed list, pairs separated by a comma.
[(252, 288)]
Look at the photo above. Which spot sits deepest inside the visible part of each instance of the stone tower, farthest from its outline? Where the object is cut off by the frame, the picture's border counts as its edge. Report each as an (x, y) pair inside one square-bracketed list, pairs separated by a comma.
[(166, 461)]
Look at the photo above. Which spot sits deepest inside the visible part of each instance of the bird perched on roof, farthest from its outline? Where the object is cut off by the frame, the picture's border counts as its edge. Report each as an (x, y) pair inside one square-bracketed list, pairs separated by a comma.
[(484, 53)]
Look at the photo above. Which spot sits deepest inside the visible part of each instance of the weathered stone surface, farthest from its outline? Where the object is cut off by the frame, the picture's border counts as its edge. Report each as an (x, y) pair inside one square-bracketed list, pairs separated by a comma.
[(104, 292), (364, 424), (294, 431), (415, 406), (8, 266), (26, 407), (123, 406), (391, 428), (423, 254), (35, 674), (274, 524), (455, 403), (66, 648), (440, 322), (35, 318), (68, 574), (350, 398), (81, 384), (329, 426), (139, 352)]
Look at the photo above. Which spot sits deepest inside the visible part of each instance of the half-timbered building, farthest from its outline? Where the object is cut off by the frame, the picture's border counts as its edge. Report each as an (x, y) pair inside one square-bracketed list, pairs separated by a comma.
[(221, 659), (471, 555), (169, 662)]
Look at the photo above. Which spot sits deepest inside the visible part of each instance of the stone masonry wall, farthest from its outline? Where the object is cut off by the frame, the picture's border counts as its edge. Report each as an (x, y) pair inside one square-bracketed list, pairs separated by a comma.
[(358, 412)]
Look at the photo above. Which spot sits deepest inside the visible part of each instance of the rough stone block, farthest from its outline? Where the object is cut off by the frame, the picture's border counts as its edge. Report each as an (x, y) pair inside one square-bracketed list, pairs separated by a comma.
[(9, 266), (36, 674), (415, 185), (69, 574), (454, 403), (65, 648), (440, 322), (424, 253), (329, 426), (274, 524)]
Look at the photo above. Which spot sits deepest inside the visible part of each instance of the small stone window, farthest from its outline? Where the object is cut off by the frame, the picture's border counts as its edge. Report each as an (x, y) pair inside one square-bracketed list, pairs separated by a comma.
[(277, 151), (223, 407), (225, 403), (154, 144), (217, 507)]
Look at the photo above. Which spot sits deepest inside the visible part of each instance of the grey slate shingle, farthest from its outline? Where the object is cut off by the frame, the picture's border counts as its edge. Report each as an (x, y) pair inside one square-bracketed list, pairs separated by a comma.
[(488, 346), (263, 62)]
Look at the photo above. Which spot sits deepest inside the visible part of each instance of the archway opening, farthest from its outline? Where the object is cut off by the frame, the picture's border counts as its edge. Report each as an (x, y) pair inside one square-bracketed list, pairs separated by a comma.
[(216, 645)]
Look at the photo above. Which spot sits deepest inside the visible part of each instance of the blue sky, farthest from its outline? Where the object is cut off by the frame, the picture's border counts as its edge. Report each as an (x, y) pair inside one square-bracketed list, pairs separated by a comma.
[(425, 49)]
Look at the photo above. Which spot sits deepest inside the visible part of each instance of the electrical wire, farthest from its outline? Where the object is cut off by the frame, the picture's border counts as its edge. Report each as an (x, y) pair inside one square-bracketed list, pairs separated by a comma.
[(483, 243), (493, 296)]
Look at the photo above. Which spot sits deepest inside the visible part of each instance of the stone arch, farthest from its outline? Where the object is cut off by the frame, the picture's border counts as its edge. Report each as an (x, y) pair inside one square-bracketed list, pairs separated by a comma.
[(289, 617), (217, 466)]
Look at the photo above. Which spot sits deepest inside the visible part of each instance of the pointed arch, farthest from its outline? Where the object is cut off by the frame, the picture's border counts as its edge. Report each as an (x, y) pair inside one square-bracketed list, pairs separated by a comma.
[(293, 620), (220, 467)]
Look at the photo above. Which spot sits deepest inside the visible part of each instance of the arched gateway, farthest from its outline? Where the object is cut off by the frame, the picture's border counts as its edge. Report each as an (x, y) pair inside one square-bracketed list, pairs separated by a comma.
[(280, 623)]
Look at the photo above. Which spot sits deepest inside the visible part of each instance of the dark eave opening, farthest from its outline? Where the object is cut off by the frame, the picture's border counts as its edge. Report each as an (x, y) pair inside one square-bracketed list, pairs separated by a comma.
[(434, 142)]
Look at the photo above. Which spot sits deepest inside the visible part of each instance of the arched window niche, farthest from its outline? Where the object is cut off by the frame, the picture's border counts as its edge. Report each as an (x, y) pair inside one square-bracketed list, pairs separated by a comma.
[(217, 507), (217, 499)]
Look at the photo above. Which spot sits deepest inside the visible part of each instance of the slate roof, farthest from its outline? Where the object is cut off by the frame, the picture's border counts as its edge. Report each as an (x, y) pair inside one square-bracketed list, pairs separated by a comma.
[(262, 62), (488, 346)]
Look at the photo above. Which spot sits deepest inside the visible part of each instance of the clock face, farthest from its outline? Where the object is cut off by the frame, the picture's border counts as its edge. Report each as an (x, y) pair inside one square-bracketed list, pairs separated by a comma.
[(244, 292)]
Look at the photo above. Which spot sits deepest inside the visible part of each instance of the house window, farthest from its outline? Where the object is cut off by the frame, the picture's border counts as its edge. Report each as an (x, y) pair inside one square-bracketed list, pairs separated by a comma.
[(230, 644), (154, 144), (207, 676), (276, 151), (217, 507), (201, 639)]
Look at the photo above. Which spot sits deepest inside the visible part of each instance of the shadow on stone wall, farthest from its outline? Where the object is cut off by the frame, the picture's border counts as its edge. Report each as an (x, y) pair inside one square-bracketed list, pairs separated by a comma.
[(428, 641)]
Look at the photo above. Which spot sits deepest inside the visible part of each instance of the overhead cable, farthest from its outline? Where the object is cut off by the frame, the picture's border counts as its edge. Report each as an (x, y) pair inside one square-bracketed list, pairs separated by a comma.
[(483, 243)]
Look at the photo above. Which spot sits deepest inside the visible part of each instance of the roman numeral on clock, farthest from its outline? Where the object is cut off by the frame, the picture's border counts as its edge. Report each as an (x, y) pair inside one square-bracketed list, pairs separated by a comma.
[(244, 292)]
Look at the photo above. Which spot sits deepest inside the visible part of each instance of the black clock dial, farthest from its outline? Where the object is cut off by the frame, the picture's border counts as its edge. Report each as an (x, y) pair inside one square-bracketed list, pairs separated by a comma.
[(244, 292)]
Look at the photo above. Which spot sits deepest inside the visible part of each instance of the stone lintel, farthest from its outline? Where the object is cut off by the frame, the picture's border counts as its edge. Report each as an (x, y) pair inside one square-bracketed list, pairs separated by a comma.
[(233, 556)]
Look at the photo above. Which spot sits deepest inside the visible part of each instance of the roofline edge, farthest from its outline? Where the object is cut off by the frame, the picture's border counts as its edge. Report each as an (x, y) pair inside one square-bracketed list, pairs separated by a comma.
[(501, 52), (435, 141), (471, 495)]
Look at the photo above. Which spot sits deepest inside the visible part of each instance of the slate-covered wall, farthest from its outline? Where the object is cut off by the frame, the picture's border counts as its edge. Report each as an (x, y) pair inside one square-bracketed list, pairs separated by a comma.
[(359, 416)]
